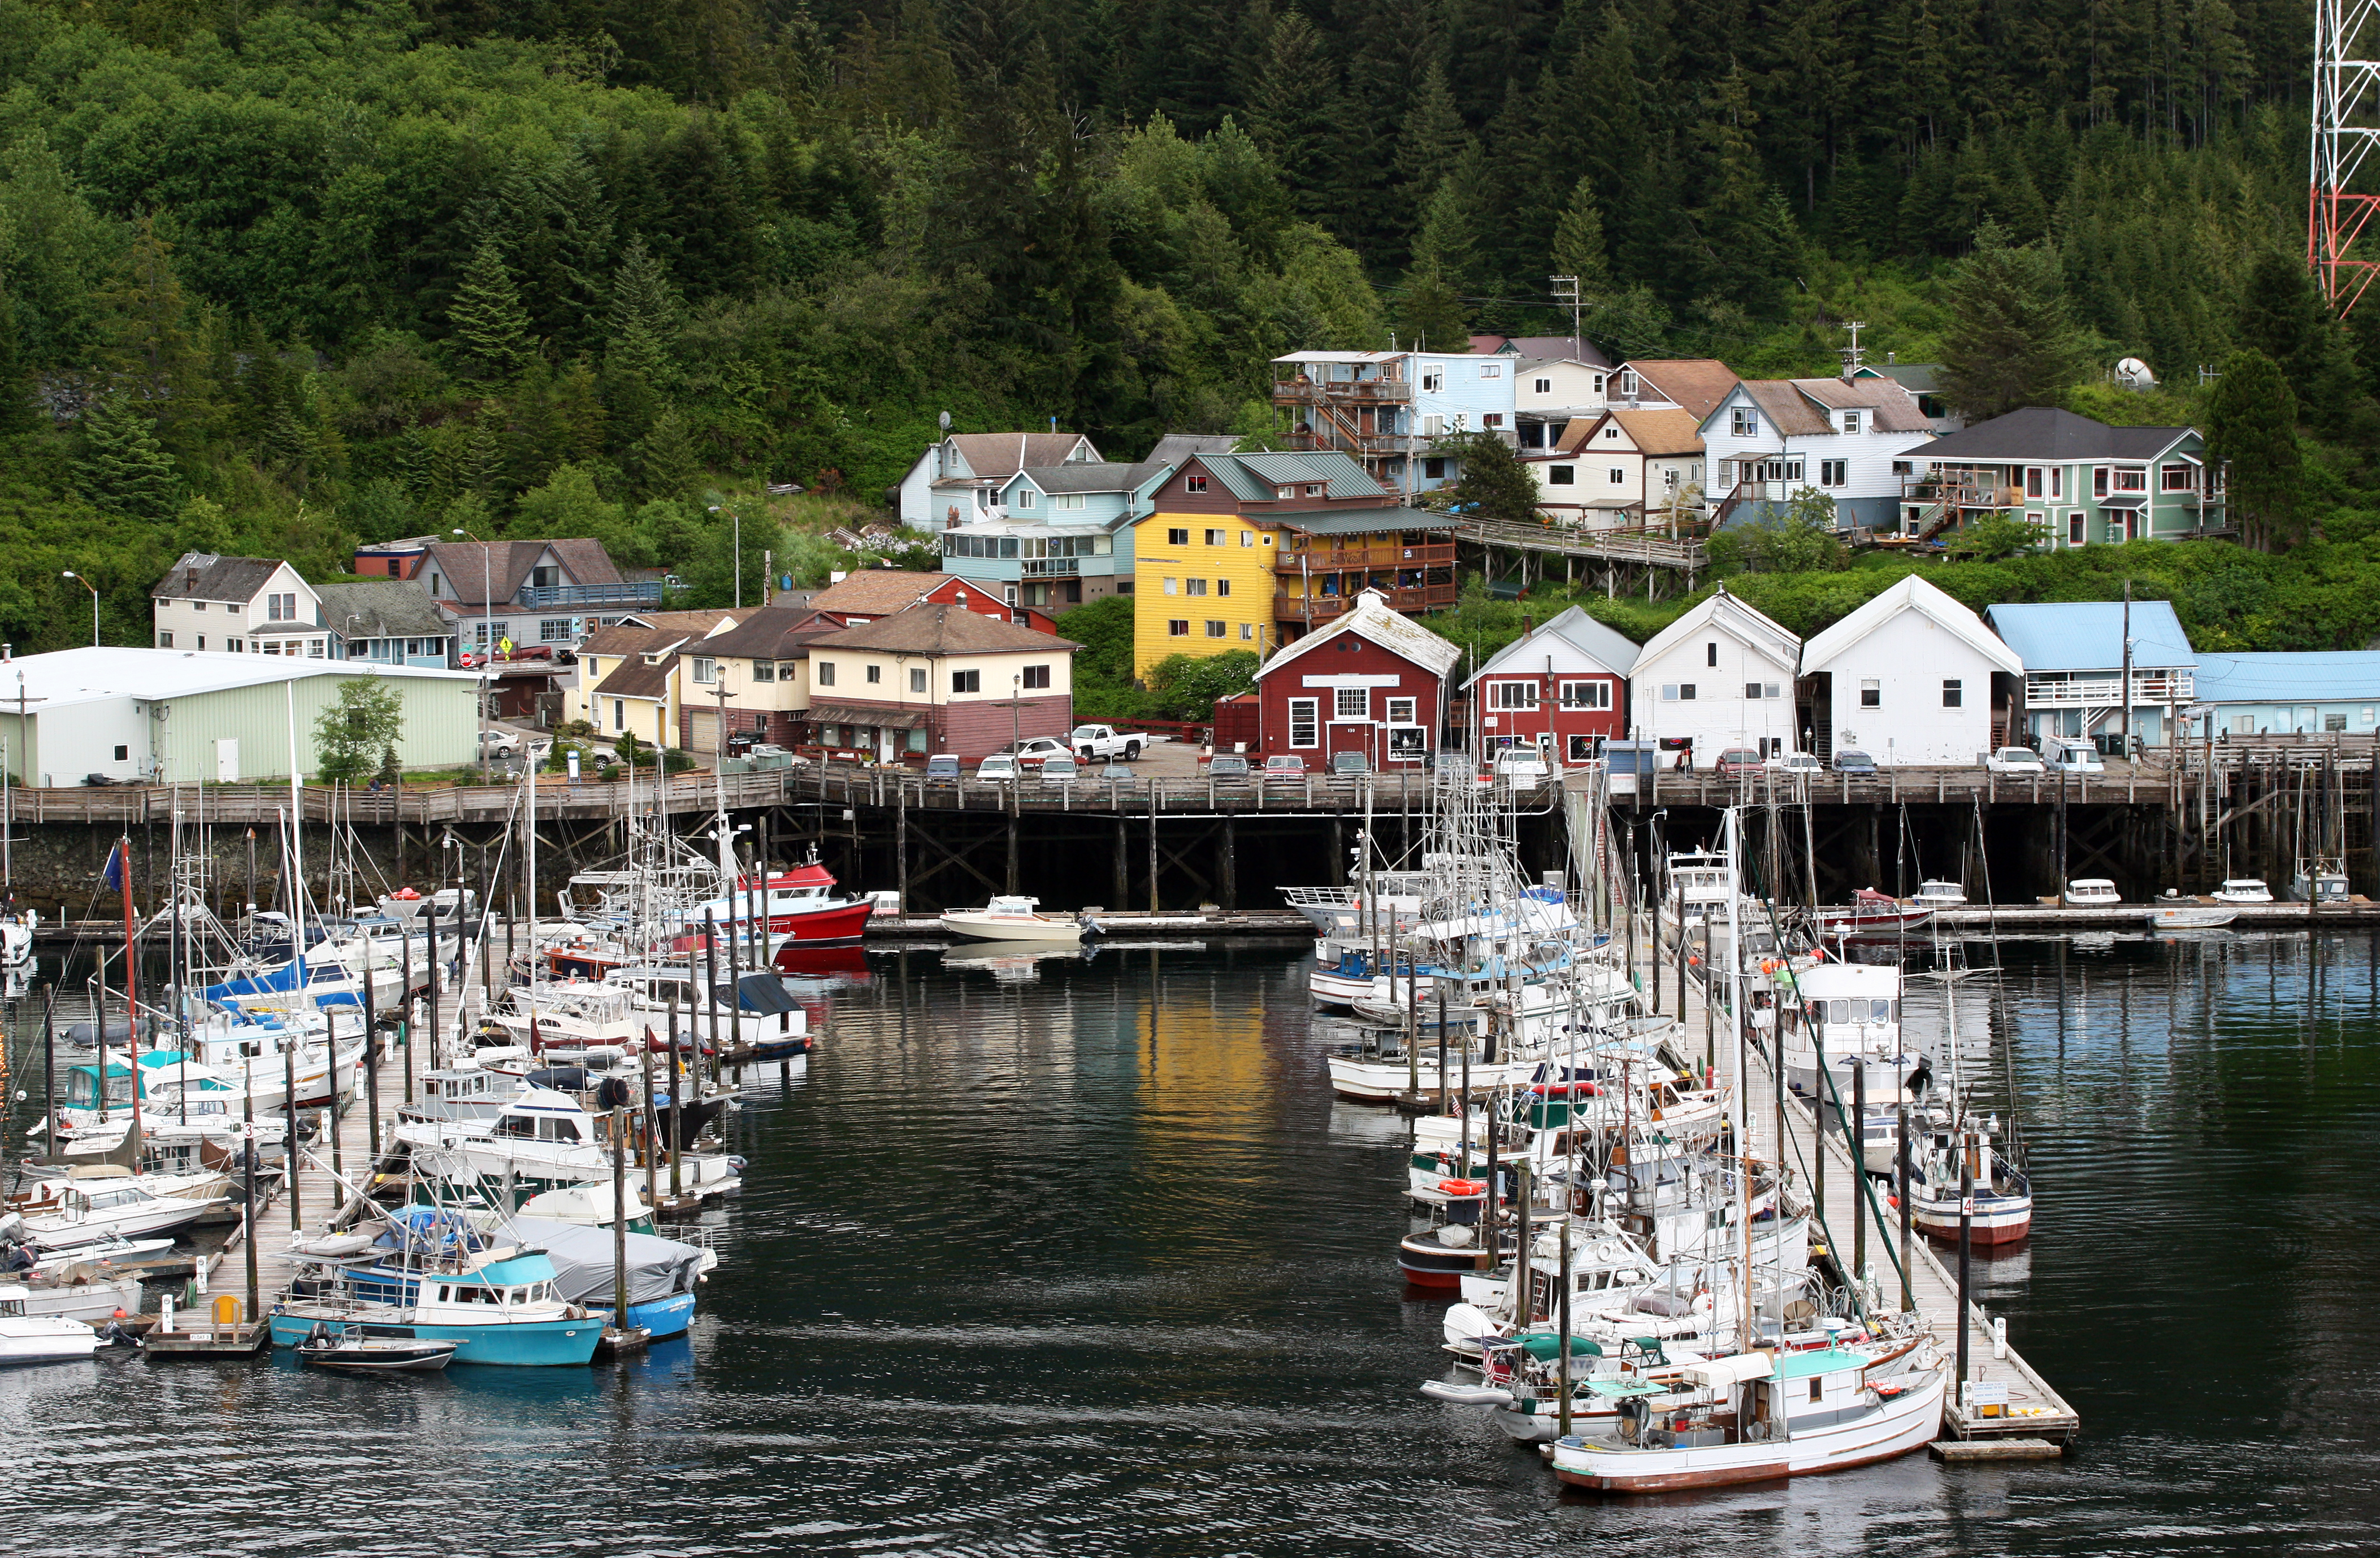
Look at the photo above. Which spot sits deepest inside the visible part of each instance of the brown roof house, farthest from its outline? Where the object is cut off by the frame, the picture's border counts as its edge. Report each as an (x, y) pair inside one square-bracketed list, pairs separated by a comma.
[(627, 681), (938, 678), (1849, 441), (1695, 385), (958, 480), (1622, 468), (749, 680), (530, 592), (238, 605)]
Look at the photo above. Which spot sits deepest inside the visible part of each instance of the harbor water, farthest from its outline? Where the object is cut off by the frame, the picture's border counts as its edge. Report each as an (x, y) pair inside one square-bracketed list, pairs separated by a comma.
[(1081, 1257)]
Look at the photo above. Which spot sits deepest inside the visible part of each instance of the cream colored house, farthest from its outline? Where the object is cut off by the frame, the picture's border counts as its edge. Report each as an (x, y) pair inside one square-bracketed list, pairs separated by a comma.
[(238, 605), (1622, 468), (938, 679), (750, 680), (627, 674)]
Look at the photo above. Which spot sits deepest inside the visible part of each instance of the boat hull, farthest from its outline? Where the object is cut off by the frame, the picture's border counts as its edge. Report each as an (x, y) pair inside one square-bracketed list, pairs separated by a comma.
[(45, 1339), (1039, 927), (529, 1344), (1989, 1227), (1905, 1423)]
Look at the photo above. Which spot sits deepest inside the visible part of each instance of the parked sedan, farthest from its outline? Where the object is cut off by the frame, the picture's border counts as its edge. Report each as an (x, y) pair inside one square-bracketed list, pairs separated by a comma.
[(1795, 763), (1062, 768), (1854, 763), (1738, 760), (1034, 751), (1284, 769), (1228, 767)]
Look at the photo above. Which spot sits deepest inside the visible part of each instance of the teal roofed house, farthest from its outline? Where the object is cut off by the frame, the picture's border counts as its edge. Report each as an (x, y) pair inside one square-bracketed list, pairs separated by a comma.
[(2077, 482), (2315, 693)]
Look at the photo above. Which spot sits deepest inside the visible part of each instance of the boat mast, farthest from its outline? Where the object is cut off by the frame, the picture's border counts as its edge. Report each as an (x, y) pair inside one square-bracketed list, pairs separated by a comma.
[(1740, 1117)]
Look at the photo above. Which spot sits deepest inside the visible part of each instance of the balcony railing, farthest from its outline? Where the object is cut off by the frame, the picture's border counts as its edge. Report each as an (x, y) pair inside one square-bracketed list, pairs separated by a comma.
[(2107, 692), (1317, 560), (1321, 608), (547, 597), (1309, 391), (1052, 567)]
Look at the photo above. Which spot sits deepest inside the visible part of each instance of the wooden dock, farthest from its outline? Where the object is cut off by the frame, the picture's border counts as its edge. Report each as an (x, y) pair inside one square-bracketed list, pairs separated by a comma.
[(2032, 1409)]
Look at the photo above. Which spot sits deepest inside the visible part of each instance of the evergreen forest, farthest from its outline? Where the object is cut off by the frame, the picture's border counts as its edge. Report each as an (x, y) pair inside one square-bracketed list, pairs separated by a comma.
[(277, 277)]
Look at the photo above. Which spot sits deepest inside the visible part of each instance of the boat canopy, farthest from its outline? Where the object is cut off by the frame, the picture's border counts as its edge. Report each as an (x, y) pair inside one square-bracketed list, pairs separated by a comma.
[(762, 993), (1718, 1372), (658, 1268)]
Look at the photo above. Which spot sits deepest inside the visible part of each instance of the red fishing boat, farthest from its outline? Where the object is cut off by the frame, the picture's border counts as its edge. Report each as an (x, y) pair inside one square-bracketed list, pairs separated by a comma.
[(798, 905)]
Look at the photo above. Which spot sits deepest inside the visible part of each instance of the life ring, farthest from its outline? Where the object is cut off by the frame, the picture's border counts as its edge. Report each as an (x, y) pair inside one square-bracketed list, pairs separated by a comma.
[(1463, 1187), (1607, 1251)]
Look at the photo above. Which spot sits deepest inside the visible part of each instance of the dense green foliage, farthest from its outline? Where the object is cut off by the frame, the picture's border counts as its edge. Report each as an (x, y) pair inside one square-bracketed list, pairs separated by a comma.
[(356, 737), (276, 275)]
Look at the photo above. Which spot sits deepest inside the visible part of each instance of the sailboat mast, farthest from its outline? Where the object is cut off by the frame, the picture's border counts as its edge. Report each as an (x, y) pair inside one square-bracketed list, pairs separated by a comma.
[(1738, 1114)]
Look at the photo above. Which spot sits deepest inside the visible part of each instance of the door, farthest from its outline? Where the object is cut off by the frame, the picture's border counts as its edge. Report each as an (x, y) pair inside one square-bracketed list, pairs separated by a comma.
[(227, 759), (703, 730)]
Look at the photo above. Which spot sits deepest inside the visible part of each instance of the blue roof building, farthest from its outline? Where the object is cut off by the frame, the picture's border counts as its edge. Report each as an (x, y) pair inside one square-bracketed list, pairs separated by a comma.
[(2256, 694), (2073, 655)]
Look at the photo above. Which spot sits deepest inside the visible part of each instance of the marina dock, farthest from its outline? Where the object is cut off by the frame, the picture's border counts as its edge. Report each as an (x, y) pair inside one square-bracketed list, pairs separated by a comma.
[(2011, 1400)]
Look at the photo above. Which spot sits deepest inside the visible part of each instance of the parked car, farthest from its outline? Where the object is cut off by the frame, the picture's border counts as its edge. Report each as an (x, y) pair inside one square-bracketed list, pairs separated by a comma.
[(1105, 741), (2014, 760), (1286, 769), (500, 742), (1034, 750), (2066, 755), (1738, 760), (1795, 763), (1000, 768), (1349, 763), (1060, 769), (1228, 766), (944, 768), (1115, 773), (1854, 763)]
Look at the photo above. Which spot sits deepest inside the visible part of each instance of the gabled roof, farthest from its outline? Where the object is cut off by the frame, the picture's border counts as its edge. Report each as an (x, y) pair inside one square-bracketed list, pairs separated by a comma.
[(2308, 676), (876, 591), (1085, 476), (382, 608), (1174, 448), (708, 620), (1727, 614), (499, 569), (940, 629), (2048, 436), (631, 641), (1257, 478), (1896, 410), (1660, 430), (1601, 645), (1373, 621), (1696, 383), (219, 578), (635, 679), (766, 634), (1557, 348), (1912, 594), (2089, 634), (1787, 411), (998, 456)]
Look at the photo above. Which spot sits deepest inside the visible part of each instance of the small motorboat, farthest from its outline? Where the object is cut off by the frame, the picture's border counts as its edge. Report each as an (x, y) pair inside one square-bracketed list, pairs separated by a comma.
[(1941, 895), (357, 1349), (2190, 917), (2243, 889), (40, 1338), (1873, 913), (1012, 919), (2091, 892)]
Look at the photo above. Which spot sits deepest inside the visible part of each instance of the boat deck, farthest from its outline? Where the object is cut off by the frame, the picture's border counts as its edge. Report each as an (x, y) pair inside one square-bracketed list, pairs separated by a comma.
[(2030, 1409)]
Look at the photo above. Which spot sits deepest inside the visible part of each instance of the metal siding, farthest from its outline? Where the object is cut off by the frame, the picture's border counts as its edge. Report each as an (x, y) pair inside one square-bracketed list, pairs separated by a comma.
[(441, 725)]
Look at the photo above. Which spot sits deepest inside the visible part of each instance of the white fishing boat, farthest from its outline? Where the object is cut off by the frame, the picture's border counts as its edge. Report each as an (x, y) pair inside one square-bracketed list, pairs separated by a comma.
[(542, 1141), (40, 1338), (1934, 893), (2091, 892), (2190, 917), (2320, 881), (1012, 919), (2000, 1194), (1754, 1417), (75, 1215), (2243, 889), (1843, 1019)]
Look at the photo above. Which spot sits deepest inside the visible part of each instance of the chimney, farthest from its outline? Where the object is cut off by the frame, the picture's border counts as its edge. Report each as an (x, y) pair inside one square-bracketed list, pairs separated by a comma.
[(1529, 624), (1891, 357), (189, 581)]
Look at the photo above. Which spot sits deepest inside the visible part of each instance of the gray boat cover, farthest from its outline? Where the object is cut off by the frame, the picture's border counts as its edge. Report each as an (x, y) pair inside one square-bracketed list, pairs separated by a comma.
[(582, 1262)]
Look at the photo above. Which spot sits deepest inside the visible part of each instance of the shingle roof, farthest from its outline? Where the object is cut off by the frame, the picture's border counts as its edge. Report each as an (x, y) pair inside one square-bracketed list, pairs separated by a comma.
[(219, 578), (1557, 348), (1361, 522), (877, 590), (1787, 411), (1659, 431), (1604, 645), (2089, 634), (1089, 475), (1174, 448), (1696, 383), (1257, 478), (760, 636), (940, 629), (635, 679), (1912, 594), (2307, 676), (1917, 378), (2047, 435), (382, 608), (697, 623), (1003, 455), (500, 568), (1373, 619), (1896, 410)]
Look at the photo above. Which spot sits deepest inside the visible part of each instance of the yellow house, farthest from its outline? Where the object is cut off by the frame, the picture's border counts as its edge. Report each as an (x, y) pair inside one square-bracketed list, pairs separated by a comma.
[(627, 681)]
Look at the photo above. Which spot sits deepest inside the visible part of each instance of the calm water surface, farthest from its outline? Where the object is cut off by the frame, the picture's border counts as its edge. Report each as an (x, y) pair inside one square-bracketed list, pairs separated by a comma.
[(1083, 1258)]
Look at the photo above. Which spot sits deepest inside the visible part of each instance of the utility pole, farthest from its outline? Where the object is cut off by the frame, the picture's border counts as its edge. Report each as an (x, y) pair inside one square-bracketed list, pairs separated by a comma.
[(1565, 289), (2124, 690)]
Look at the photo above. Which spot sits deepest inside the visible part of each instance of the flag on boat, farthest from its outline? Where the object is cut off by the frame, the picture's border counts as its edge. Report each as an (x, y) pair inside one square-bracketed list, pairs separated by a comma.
[(117, 865)]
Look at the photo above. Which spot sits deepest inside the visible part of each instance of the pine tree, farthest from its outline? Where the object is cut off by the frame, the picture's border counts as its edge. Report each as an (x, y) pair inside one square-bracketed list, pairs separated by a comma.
[(2012, 341), (664, 459), (2252, 428), (1432, 311), (1295, 107), (123, 468), (148, 338), (1577, 249), (1433, 139), (490, 330)]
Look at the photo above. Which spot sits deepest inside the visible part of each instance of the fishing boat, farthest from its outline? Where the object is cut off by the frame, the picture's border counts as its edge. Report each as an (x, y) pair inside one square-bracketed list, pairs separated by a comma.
[(2001, 1195), (542, 1141), (2190, 917), (2091, 892), (497, 1305), (360, 1349), (17, 940), (2319, 881), (1871, 914), (1012, 919), (1841, 1019), (72, 1213), (40, 1338), (2242, 889), (1754, 1417), (1934, 893), (800, 907)]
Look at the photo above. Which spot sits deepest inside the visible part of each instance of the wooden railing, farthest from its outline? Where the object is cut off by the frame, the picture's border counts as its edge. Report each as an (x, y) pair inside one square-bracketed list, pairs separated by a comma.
[(1381, 554)]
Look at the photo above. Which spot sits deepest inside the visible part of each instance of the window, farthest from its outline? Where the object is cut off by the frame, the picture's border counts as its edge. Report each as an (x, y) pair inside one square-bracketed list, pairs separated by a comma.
[(2074, 528), (1578, 748), (1616, 477), (1197, 586), (1194, 484), (1433, 469), (619, 714), (1214, 537), (198, 605), (1542, 387), (2177, 478), (2329, 722), (1751, 691), (1492, 419), (1178, 627), (1036, 678), (124, 755), (1586, 695), (1954, 695), (553, 630), (1871, 693), (1025, 497), (789, 670), (1834, 473), (1492, 370), (1067, 500), (2131, 478), (1433, 380), (1611, 430), (1353, 703), (1850, 421), (1710, 653), (1727, 474), (203, 641), (2057, 481), (281, 608), (916, 680), (1248, 538), (1512, 695), (1217, 630), (1686, 692), (1561, 476), (1284, 491), (1222, 586), (706, 672), (1314, 490), (1401, 711), (165, 640), (1173, 586), (1742, 423), (1248, 632), (875, 676), (2243, 724), (966, 681), (2098, 481), (2033, 483), (766, 670), (1304, 721), (1180, 537)]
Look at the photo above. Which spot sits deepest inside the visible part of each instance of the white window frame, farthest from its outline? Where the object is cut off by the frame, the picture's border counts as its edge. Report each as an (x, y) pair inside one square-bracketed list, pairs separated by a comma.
[(1401, 710), (1518, 697), (1591, 696), (1304, 714), (1350, 702), (1743, 422), (1616, 475), (706, 672)]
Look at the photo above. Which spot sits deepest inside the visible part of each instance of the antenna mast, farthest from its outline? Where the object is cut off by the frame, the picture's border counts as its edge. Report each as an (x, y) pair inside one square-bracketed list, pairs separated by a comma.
[(2345, 122)]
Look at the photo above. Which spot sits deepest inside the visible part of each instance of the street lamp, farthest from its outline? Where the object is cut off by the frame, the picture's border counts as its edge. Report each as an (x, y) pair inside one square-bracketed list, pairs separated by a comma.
[(86, 583), (487, 636)]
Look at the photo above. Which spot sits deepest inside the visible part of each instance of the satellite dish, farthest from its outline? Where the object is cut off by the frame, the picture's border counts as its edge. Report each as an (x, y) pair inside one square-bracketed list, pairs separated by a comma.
[(2134, 374), (946, 421)]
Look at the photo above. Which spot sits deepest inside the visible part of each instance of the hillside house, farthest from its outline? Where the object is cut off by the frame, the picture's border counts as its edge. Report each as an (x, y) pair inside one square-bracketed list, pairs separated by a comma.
[(1561, 689), (2073, 656), (1719, 677), (1910, 678), (1850, 440), (866, 595), (1622, 467), (1388, 410), (957, 482), (2077, 482), (238, 605), (1694, 385), (1371, 681), (749, 680), (625, 681), (553, 592), (385, 622), (1924, 382), (938, 678)]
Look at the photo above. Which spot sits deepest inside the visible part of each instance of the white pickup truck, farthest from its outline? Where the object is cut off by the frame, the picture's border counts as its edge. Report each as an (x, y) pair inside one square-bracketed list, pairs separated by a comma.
[(1105, 741)]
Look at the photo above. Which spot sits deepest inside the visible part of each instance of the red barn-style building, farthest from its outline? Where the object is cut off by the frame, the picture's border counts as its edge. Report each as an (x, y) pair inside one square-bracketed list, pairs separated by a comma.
[(1561, 689), (1369, 681)]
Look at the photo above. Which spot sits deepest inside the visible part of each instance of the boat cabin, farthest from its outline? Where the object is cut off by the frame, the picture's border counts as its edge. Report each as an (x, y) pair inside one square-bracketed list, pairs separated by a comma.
[(543, 1115), (1698, 884), (2091, 892)]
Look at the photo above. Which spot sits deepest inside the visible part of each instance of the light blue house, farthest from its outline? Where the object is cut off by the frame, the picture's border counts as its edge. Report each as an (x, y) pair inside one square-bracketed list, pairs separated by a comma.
[(1052, 536), (2073, 655), (1388, 409), (386, 622), (2319, 691)]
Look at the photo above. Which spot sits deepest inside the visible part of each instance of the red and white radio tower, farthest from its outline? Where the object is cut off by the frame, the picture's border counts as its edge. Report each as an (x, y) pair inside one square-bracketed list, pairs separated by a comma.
[(2346, 128)]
